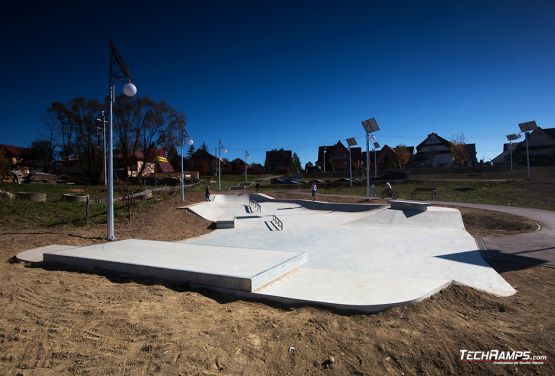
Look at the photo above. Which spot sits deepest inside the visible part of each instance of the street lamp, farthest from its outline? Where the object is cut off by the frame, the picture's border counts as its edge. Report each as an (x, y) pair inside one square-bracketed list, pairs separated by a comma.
[(375, 146), (525, 128), (182, 176), (511, 138), (220, 148), (369, 126), (246, 156), (325, 151), (103, 120), (129, 89), (351, 142)]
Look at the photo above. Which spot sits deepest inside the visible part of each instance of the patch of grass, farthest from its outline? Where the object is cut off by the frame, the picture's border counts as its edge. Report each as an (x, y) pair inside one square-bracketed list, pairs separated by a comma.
[(19, 214)]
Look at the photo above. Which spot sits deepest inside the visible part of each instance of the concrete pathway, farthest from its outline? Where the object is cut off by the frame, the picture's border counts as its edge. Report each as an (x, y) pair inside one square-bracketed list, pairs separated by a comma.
[(533, 248)]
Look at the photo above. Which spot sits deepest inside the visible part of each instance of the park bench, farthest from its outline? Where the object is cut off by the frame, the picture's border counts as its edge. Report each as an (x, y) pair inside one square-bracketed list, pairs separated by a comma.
[(430, 191)]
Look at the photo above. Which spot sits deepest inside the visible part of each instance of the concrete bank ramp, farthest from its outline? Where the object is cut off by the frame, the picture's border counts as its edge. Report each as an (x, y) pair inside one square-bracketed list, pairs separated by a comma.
[(434, 218), (215, 266)]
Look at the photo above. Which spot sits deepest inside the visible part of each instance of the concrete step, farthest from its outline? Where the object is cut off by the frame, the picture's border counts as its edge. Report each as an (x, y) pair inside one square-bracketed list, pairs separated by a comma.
[(214, 266)]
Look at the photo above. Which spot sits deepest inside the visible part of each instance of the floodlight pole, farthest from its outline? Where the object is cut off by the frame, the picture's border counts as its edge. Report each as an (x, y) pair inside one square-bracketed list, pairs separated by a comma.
[(220, 147), (350, 167), (511, 153), (130, 90), (375, 163), (110, 170), (367, 165), (182, 177), (325, 150), (527, 153), (246, 156)]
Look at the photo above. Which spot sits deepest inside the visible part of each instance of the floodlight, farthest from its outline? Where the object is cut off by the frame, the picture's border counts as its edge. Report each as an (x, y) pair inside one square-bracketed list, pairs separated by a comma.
[(373, 139), (351, 141), (190, 142), (129, 89), (528, 126), (512, 137), (370, 125), (376, 145)]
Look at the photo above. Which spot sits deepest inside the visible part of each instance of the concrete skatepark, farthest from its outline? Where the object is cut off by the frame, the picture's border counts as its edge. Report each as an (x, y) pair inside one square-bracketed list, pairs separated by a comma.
[(363, 257)]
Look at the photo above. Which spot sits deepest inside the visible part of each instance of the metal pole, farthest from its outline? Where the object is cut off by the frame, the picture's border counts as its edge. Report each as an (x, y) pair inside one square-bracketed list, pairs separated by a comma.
[(110, 170), (367, 166), (182, 182), (527, 154), (511, 153), (350, 167), (104, 147), (219, 165), (324, 161), (246, 154), (375, 164)]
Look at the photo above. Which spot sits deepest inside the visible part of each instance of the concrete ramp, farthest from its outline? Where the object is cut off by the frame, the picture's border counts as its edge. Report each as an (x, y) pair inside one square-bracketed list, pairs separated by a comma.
[(215, 266), (433, 218)]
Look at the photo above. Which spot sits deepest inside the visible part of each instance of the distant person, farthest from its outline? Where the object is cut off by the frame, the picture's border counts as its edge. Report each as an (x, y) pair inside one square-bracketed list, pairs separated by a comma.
[(313, 190), (207, 194), (257, 186)]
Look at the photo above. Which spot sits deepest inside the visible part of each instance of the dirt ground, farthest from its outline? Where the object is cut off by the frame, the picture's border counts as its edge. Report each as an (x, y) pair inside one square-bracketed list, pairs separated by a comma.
[(59, 322)]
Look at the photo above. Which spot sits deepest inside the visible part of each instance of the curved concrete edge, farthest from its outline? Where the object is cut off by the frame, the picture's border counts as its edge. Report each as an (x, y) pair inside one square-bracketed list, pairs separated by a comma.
[(320, 205), (36, 255), (290, 301)]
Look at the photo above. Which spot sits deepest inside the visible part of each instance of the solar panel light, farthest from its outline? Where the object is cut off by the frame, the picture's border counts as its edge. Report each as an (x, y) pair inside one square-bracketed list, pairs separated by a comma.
[(512, 137), (528, 126), (376, 145), (351, 141), (370, 125)]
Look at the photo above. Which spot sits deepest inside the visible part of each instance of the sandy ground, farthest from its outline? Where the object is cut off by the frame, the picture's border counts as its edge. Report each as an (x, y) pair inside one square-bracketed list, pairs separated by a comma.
[(59, 322)]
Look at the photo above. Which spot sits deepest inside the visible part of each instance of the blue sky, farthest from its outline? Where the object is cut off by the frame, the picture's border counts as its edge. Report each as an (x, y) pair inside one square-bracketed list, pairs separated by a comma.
[(292, 74)]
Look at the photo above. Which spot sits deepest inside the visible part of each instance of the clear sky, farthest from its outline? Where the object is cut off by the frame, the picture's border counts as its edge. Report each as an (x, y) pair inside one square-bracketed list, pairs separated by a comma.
[(292, 74)]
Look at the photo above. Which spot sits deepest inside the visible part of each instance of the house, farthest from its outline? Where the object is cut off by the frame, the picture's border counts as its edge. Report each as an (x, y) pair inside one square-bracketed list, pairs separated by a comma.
[(337, 157), (541, 147), (13, 154), (435, 151), (278, 161), (388, 157), (505, 157)]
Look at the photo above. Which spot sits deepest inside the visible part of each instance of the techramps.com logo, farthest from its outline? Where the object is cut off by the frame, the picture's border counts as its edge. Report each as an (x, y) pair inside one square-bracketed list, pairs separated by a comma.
[(502, 357)]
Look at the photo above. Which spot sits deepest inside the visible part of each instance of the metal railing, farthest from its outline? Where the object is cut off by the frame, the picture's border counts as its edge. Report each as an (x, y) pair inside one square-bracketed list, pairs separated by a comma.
[(277, 222), (255, 206)]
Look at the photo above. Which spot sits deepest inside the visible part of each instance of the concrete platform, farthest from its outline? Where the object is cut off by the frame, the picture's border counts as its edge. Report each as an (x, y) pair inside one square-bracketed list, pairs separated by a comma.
[(216, 266), (225, 222), (35, 255)]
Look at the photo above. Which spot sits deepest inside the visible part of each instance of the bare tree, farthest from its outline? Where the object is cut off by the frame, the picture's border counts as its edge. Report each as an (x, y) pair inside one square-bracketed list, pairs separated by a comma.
[(458, 149), (403, 155)]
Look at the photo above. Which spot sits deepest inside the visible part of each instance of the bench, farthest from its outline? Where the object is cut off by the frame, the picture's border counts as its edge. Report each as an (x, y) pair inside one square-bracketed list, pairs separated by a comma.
[(430, 191)]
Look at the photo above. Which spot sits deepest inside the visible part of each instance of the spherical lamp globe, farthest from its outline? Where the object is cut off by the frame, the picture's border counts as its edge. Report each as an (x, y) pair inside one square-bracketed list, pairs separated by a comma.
[(129, 89)]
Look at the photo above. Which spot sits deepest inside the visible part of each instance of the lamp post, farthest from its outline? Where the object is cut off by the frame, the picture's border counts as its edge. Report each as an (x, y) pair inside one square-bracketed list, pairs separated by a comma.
[(525, 128), (375, 146), (325, 151), (129, 89), (102, 119), (369, 126), (220, 148), (246, 156), (511, 138), (182, 176), (351, 142)]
